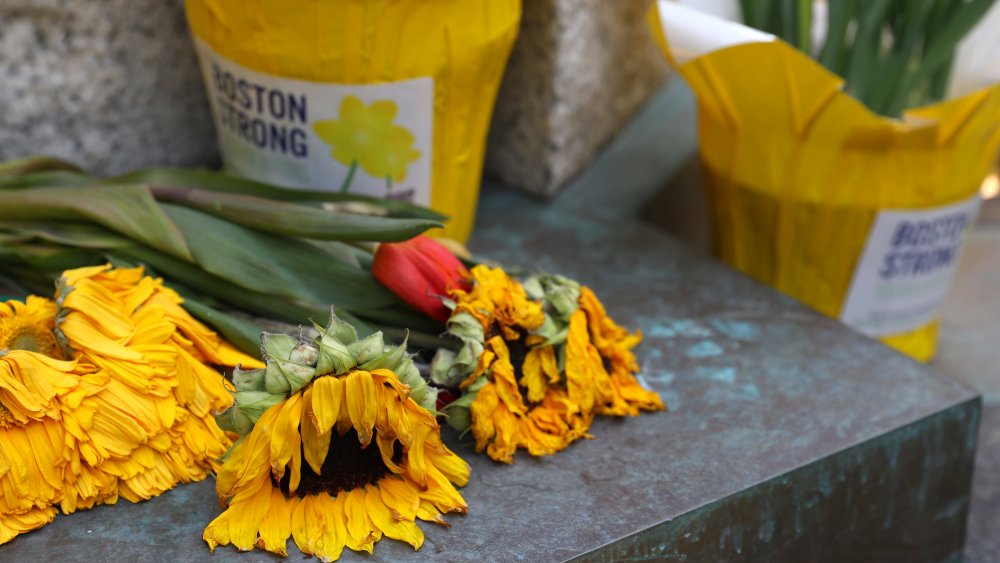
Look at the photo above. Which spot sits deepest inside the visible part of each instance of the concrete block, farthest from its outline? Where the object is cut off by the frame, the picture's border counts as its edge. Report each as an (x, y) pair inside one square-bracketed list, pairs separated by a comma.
[(111, 85), (579, 70)]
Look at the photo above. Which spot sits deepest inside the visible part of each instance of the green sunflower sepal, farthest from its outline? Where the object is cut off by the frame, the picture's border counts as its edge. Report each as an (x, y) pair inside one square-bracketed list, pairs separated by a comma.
[(292, 363)]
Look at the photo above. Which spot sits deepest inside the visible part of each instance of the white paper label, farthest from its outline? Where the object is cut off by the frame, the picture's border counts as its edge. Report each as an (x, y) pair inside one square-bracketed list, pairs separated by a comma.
[(906, 268), (373, 139)]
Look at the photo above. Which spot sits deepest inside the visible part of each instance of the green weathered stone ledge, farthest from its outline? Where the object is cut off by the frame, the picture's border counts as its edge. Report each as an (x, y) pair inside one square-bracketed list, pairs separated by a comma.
[(789, 437)]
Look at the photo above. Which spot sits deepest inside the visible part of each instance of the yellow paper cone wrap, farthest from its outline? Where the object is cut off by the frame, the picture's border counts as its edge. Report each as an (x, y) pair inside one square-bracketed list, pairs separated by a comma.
[(798, 172), (379, 97)]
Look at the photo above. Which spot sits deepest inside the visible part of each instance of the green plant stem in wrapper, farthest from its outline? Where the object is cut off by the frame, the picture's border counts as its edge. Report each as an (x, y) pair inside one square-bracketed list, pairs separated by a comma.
[(894, 54)]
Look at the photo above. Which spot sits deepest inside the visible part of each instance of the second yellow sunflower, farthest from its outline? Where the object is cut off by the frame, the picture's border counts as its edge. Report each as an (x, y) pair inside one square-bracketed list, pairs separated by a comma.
[(336, 452)]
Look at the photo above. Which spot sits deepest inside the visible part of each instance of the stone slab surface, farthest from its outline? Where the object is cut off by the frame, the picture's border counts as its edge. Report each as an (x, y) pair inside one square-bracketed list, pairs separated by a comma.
[(983, 542), (787, 433), (112, 85)]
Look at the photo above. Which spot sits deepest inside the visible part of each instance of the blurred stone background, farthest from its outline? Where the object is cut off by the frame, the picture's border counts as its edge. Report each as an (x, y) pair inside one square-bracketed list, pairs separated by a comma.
[(111, 85), (114, 85)]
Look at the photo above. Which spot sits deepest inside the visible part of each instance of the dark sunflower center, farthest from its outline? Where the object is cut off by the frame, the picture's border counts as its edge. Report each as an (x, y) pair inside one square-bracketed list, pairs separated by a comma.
[(30, 338), (347, 466)]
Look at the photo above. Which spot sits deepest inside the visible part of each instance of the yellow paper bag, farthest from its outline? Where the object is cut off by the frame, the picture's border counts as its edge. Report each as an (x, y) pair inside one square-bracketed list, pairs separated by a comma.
[(860, 216), (379, 97)]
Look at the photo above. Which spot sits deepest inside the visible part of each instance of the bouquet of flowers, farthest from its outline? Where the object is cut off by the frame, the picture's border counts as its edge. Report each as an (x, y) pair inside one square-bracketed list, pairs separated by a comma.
[(331, 436)]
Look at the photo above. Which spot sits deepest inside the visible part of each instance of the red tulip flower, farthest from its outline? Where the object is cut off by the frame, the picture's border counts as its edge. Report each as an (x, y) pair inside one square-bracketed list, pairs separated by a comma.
[(421, 272)]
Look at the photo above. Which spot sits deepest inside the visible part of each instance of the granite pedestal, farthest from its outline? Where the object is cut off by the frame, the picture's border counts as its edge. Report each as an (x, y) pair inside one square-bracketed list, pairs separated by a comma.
[(789, 437)]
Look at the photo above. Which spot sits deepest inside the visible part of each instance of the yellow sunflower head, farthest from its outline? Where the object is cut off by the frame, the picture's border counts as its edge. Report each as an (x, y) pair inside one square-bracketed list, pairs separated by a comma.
[(31, 373), (538, 361), (33, 388), (335, 450), (130, 413), (150, 424), (28, 326)]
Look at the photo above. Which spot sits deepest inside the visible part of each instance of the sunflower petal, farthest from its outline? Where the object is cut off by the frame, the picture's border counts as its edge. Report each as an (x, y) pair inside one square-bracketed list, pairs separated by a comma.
[(250, 509), (328, 396), (330, 542), (360, 397), (284, 433), (533, 379), (302, 524), (382, 518), (360, 531), (276, 526), (314, 445)]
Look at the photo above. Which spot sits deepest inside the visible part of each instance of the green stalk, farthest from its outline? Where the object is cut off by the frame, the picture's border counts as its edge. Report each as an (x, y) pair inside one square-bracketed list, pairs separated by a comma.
[(863, 63), (939, 82), (420, 339), (242, 334), (940, 49), (908, 38), (748, 10), (839, 16), (224, 183), (263, 305), (346, 185), (789, 21), (804, 10), (21, 166), (10, 284)]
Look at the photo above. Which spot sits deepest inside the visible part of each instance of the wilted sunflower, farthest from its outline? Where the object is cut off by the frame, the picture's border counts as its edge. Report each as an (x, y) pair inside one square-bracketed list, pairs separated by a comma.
[(153, 426), (32, 380), (336, 452), (538, 361), (118, 400)]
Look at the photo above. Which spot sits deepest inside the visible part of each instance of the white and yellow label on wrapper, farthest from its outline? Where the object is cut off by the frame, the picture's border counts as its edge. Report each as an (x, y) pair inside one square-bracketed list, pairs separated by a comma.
[(419, 76), (906, 267), (372, 139)]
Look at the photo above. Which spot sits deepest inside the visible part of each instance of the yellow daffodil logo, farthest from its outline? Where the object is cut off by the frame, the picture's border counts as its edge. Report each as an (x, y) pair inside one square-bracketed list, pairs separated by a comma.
[(366, 136)]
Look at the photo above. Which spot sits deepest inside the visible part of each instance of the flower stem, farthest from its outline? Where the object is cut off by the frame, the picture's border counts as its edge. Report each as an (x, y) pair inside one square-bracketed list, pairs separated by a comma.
[(388, 183), (350, 177), (804, 31)]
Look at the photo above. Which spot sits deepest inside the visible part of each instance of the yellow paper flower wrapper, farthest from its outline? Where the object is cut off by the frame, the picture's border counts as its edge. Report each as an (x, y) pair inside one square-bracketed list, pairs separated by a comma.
[(860, 216), (384, 98)]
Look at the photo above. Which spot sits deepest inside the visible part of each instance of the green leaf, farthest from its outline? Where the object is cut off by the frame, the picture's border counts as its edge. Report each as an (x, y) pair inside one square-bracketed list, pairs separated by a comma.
[(940, 49), (12, 289), (46, 178), (129, 210), (21, 166), (294, 220), (48, 257), (261, 304), (839, 16), (227, 183), (343, 252), (30, 280), (11, 236), (401, 316), (242, 334), (81, 235), (276, 265), (422, 340)]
